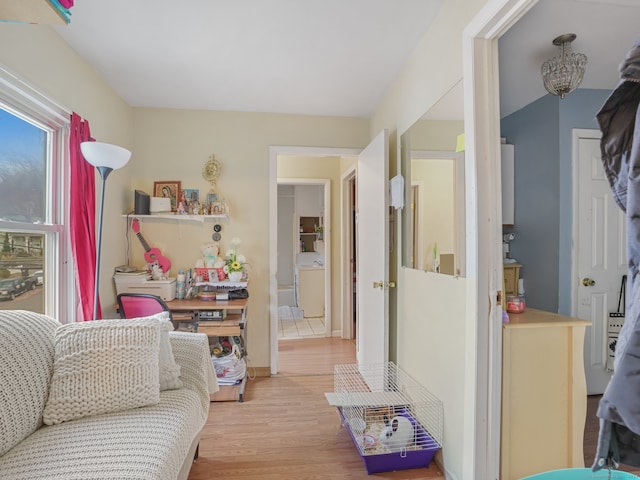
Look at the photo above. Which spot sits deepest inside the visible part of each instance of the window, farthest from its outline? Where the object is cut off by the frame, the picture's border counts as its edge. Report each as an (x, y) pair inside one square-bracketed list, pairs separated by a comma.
[(33, 238)]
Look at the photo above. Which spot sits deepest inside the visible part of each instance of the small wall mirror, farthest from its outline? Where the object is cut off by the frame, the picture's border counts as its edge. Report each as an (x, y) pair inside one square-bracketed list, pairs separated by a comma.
[(433, 220)]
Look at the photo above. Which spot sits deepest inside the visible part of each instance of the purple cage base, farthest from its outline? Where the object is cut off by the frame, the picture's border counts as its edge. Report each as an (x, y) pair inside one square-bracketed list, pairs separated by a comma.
[(387, 462)]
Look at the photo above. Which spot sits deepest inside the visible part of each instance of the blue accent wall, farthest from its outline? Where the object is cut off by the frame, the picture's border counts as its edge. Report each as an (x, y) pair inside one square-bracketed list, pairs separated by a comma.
[(541, 134)]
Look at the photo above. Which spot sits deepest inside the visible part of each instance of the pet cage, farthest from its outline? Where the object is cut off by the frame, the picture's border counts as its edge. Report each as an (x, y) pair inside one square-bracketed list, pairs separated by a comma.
[(394, 422)]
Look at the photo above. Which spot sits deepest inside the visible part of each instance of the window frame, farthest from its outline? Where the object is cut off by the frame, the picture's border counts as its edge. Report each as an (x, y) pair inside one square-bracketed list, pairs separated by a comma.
[(25, 101)]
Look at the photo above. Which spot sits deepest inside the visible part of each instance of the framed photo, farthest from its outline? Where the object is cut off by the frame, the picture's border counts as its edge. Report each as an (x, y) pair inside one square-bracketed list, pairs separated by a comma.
[(218, 208), (168, 189), (212, 198), (191, 195)]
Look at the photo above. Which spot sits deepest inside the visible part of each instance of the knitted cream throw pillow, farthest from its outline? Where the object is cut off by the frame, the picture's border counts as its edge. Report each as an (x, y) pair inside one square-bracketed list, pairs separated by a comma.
[(103, 366), (169, 369)]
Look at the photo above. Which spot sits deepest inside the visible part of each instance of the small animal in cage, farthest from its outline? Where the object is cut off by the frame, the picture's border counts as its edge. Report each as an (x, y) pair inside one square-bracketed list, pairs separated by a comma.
[(398, 433)]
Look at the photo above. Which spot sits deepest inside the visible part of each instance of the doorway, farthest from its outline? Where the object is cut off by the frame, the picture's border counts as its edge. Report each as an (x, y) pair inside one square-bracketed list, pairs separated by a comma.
[(312, 159), (303, 273)]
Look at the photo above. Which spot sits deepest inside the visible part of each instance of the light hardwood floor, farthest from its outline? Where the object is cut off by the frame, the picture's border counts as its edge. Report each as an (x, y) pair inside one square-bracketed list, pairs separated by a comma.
[(285, 429)]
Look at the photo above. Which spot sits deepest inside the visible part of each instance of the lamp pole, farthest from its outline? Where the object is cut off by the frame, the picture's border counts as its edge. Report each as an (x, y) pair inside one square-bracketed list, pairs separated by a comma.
[(104, 173)]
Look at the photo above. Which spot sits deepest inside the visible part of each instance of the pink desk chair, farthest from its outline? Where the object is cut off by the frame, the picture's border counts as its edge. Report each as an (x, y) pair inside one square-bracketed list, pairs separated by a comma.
[(134, 305)]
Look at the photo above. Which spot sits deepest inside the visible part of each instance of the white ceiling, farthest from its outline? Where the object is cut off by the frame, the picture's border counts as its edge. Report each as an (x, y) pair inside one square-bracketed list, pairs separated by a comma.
[(320, 57), (317, 57)]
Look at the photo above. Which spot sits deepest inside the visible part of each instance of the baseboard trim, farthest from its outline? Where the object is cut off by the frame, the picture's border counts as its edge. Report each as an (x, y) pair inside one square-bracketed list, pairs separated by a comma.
[(260, 371), (438, 460)]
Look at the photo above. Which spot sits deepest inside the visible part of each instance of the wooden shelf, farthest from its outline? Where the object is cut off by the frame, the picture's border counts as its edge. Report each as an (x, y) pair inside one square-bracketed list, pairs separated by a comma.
[(179, 218)]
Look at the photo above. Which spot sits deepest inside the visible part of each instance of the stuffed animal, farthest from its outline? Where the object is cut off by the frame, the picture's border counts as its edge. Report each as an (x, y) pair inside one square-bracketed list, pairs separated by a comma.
[(156, 271), (210, 253)]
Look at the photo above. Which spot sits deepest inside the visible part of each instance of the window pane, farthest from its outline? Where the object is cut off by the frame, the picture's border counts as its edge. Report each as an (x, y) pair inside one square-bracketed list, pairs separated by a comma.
[(23, 160), (21, 271)]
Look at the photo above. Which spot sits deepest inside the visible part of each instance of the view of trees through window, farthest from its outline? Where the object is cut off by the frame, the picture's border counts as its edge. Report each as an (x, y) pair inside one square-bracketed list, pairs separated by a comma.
[(23, 182)]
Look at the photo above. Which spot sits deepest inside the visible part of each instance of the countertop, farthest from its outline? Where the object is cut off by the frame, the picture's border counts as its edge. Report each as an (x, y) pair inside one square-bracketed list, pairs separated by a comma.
[(534, 318)]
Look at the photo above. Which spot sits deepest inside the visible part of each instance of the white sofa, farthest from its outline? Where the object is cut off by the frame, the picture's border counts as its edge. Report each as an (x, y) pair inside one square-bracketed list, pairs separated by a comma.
[(153, 442)]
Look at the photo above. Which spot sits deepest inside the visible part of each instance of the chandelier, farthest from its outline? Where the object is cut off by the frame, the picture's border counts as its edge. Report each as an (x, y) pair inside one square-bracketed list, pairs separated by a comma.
[(563, 74)]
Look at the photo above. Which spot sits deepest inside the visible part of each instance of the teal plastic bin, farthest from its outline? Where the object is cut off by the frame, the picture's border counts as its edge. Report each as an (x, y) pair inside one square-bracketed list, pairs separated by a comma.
[(581, 474)]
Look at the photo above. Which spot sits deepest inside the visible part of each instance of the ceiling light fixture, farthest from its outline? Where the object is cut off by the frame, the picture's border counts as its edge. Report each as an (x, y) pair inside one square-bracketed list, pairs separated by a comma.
[(563, 74)]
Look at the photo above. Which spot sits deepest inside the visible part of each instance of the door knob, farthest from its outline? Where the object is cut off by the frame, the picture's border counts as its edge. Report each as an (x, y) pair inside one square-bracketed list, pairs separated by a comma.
[(588, 282), (382, 285)]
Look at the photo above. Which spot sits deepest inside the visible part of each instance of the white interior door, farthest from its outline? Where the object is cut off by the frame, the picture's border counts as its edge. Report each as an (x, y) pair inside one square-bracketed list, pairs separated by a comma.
[(600, 243), (372, 204)]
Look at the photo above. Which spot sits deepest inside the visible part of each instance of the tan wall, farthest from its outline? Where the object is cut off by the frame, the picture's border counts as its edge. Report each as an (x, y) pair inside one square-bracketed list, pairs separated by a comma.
[(434, 311), (38, 55), (325, 168), (436, 134), (175, 144)]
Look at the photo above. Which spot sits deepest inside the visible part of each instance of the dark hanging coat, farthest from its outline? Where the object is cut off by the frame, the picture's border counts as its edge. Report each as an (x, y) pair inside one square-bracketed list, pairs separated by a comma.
[(619, 408)]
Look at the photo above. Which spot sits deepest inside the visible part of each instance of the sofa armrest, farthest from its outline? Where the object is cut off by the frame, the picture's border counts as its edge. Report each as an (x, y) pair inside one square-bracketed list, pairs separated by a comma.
[(191, 352)]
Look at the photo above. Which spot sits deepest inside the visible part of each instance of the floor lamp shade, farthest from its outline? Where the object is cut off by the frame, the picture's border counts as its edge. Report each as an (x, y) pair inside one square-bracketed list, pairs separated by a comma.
[(106, 158), (105, 154)]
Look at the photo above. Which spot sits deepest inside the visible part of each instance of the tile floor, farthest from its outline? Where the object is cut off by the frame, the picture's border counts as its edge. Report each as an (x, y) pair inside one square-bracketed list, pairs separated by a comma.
[(293, 325)]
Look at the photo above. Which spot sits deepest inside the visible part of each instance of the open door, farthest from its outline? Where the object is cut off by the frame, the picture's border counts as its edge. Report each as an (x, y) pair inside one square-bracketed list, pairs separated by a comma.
[(372, 337)]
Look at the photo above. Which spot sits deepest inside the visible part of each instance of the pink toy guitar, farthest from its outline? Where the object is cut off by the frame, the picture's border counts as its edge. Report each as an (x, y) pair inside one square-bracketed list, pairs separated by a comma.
[(151, 254)]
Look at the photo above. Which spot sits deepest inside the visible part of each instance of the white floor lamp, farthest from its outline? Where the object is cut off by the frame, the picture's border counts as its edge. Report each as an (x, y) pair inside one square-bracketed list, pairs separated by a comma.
[(106, 158)]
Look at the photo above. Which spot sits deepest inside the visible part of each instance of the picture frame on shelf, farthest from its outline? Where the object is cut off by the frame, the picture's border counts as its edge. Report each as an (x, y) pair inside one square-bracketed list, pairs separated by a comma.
[(168, 189), (218, 208), (191, 194), (212, 198)]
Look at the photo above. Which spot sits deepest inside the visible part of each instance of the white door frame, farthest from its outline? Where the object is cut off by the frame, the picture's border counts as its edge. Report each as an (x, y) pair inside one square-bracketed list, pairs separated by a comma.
[(418, 222), (484, 232), (274, 152), (347, 240)]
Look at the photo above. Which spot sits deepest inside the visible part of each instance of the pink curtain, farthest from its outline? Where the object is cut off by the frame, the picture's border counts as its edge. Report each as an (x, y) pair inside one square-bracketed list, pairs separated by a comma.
[(82, 216)]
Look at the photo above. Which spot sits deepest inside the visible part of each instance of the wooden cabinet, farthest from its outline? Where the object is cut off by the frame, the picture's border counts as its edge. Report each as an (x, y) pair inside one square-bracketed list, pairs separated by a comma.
[(311, 230), (311, 291), (544, 393), (511, 274), (508, 183)]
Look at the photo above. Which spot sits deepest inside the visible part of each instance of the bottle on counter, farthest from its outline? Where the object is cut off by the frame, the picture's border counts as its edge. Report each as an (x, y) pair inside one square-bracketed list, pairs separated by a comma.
[(180, 285)]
